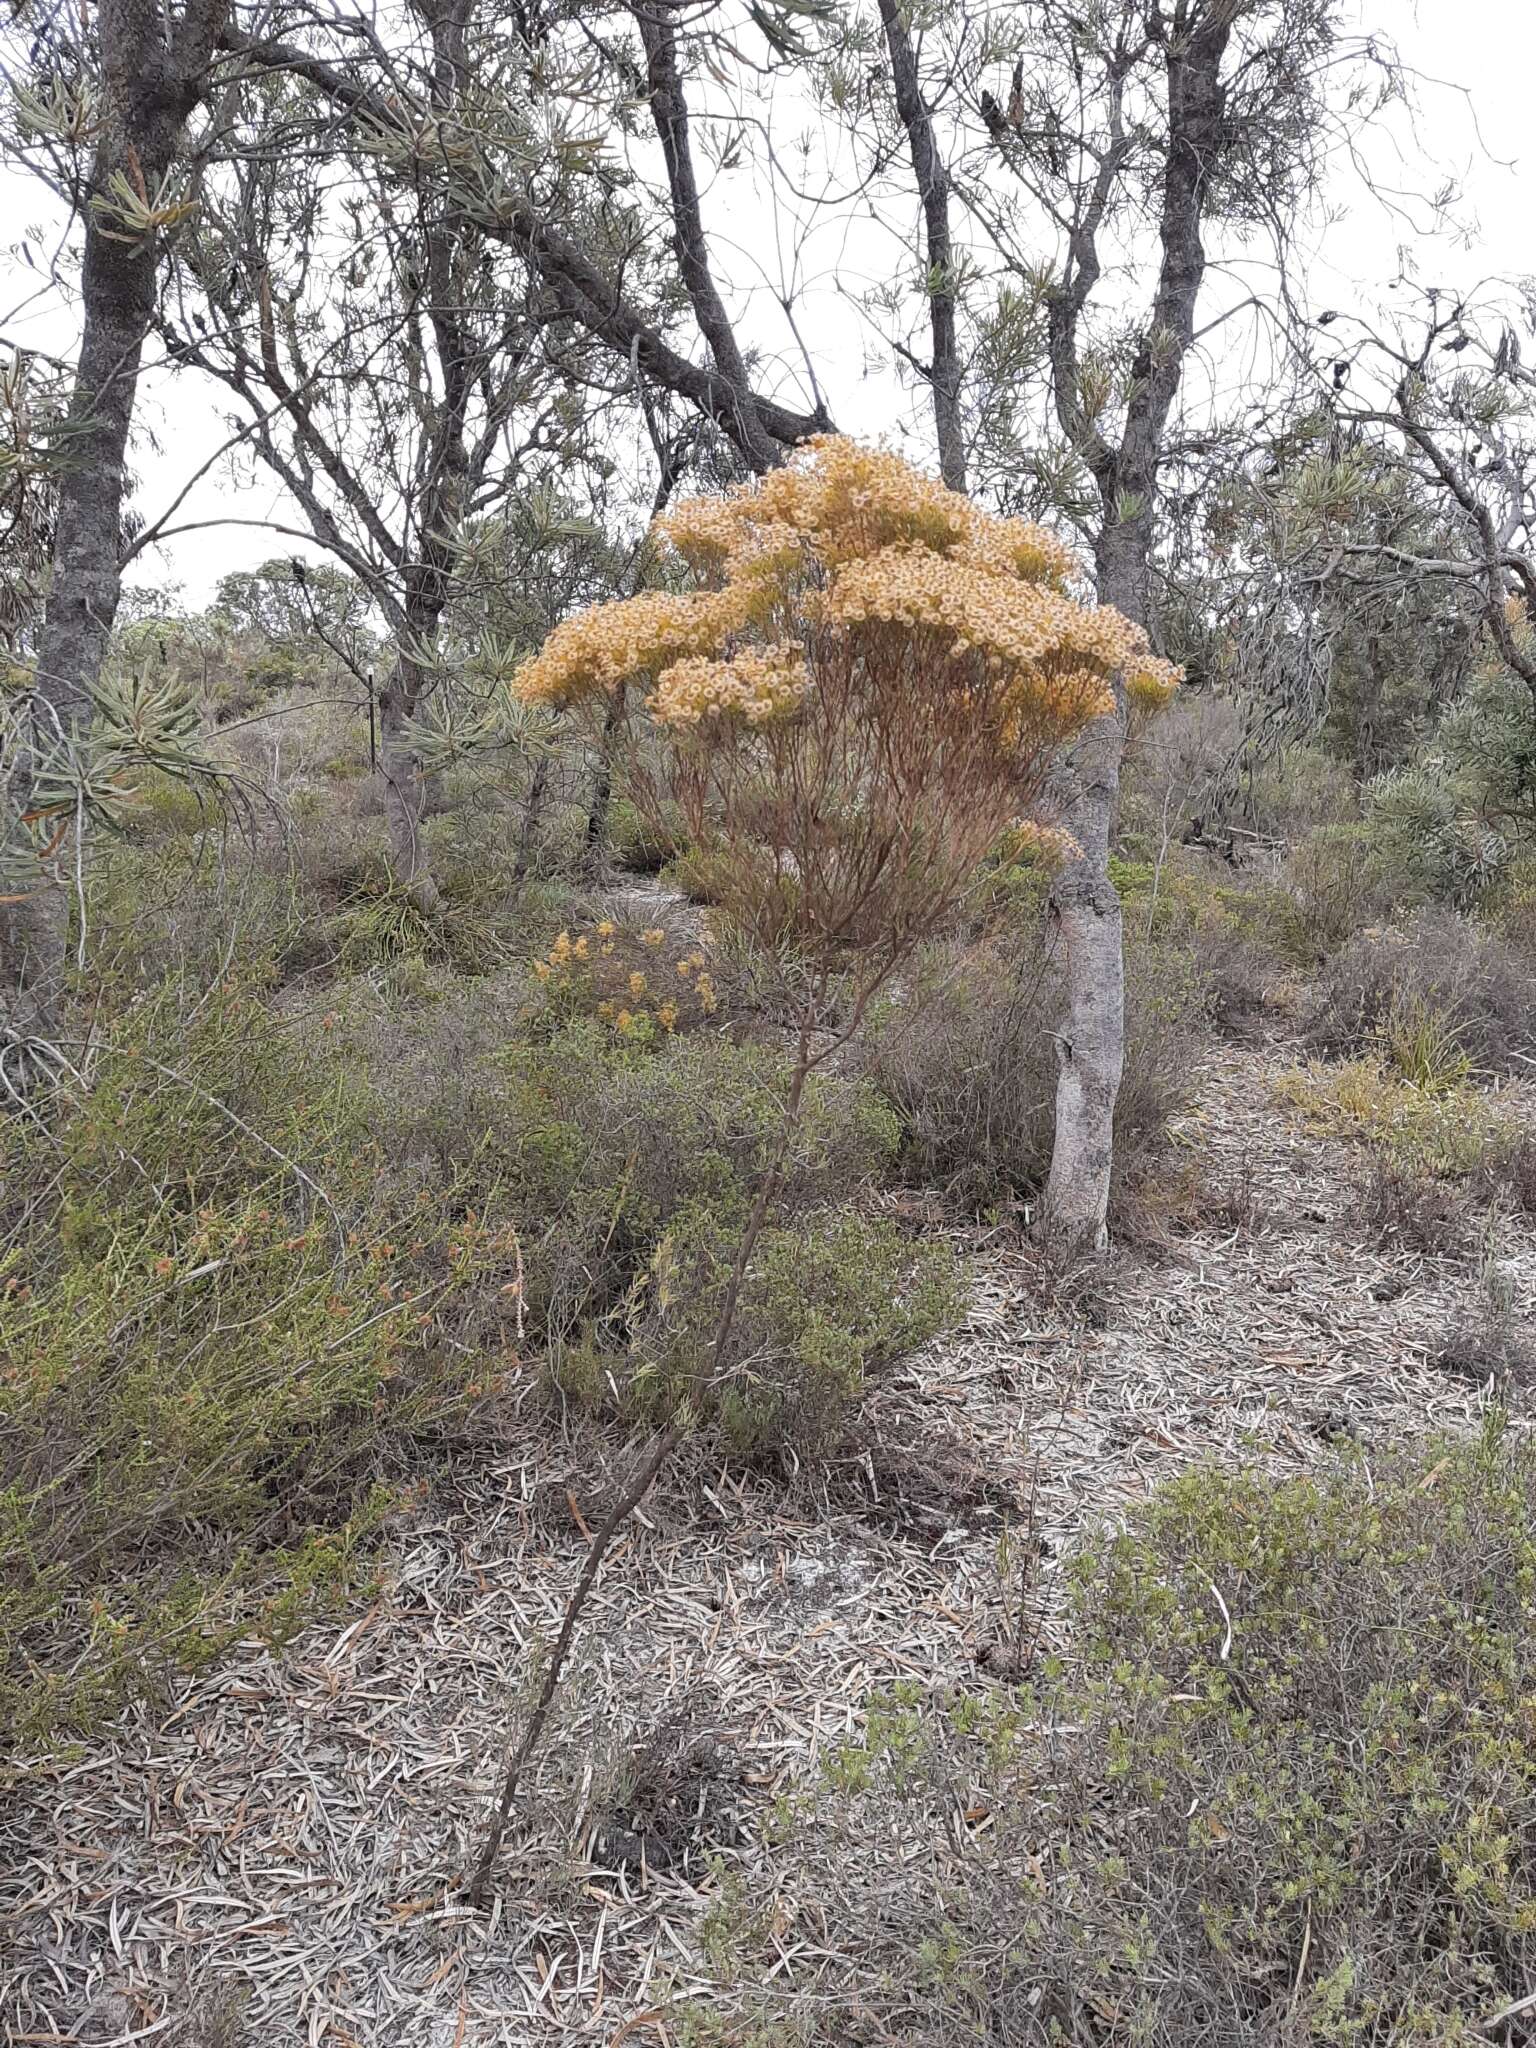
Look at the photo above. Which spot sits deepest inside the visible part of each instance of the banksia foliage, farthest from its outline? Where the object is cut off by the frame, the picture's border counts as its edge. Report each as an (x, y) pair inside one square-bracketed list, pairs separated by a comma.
[(858, 692)]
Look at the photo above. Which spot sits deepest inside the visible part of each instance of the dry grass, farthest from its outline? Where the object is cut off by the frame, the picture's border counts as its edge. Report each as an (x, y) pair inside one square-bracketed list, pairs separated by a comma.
[(1436, 964)]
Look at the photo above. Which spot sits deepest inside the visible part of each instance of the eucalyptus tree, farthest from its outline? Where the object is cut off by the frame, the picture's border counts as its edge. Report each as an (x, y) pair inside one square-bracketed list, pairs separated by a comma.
[(532, 154), (388, 362), (104, 104), (1072, 165), (432, 285), (1125, 136), (1444, 396)]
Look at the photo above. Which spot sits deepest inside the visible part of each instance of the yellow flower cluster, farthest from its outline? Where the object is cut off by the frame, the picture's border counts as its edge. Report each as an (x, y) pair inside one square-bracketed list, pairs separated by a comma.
[(852, 500), (1014, 623), (838, 500), (757, 684), (691, 966), (1049, 845), (1016, 547), (846, 536), (1150, 682), (563, 956), (609, 644), (575, 972)]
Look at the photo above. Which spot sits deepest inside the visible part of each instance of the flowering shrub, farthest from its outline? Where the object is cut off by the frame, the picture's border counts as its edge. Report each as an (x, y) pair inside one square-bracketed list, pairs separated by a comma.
[(858, 690), (644, 985), (848, 707)]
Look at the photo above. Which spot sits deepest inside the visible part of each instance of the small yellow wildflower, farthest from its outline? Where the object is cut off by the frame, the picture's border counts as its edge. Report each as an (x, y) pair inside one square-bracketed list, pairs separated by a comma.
[(637, 984), (654, 937), (606, 928), (666, 1016)]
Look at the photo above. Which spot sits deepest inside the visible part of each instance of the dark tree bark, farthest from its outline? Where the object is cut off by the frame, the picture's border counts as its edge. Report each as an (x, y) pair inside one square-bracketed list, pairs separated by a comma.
[(446, 473), (944, 372), (669, 112), (154, 67), (576, 287)]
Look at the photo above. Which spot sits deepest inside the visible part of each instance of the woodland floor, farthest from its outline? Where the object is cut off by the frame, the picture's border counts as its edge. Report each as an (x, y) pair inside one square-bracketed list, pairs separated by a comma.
[(288, 1832)]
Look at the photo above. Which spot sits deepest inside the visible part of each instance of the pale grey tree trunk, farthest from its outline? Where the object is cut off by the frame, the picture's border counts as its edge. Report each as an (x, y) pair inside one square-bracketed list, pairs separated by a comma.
[(1084, 914), (1084, 911), (1085, 907)]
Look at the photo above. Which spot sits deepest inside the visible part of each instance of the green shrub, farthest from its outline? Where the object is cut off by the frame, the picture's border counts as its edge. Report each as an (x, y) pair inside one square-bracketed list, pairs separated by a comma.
[(1330, 889), (828, 1301), (1279, 1787), (1434, 965), (1234, 929), (968, 1060), (223, 1319), (384, 926), (183, 907), (1433, 843), (606, 1144), (1299, 790), (1509, 912), (1448, 1129), (164, 804), (642, 844)]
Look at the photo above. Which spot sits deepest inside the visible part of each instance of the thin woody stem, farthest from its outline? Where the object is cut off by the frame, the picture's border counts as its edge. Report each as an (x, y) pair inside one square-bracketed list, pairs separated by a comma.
[(646, 1472)]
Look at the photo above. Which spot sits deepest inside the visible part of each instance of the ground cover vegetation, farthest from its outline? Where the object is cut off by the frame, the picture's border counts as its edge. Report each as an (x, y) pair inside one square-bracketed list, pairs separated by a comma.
[(613, 960)]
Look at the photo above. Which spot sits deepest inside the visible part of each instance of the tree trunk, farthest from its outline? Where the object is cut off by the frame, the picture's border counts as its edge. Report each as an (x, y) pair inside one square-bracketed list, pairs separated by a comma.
[(153, 69), (600, 804), (1084, 912), (533, 813), (944, 373), (669, 111), (118, 294), (1085, 907), (405, 793)]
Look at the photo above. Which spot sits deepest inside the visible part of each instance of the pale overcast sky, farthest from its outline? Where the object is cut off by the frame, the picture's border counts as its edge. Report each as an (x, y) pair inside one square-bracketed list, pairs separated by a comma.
[(1482, 139)]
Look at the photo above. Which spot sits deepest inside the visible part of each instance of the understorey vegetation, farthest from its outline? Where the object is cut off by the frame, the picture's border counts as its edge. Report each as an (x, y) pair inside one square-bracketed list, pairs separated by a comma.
[(1275, 1784), (840, 1143)]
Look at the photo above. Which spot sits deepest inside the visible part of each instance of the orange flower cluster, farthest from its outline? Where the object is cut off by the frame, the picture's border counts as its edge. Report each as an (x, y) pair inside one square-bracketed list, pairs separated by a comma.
[(610, 644), (757, 684), (840, 539)]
